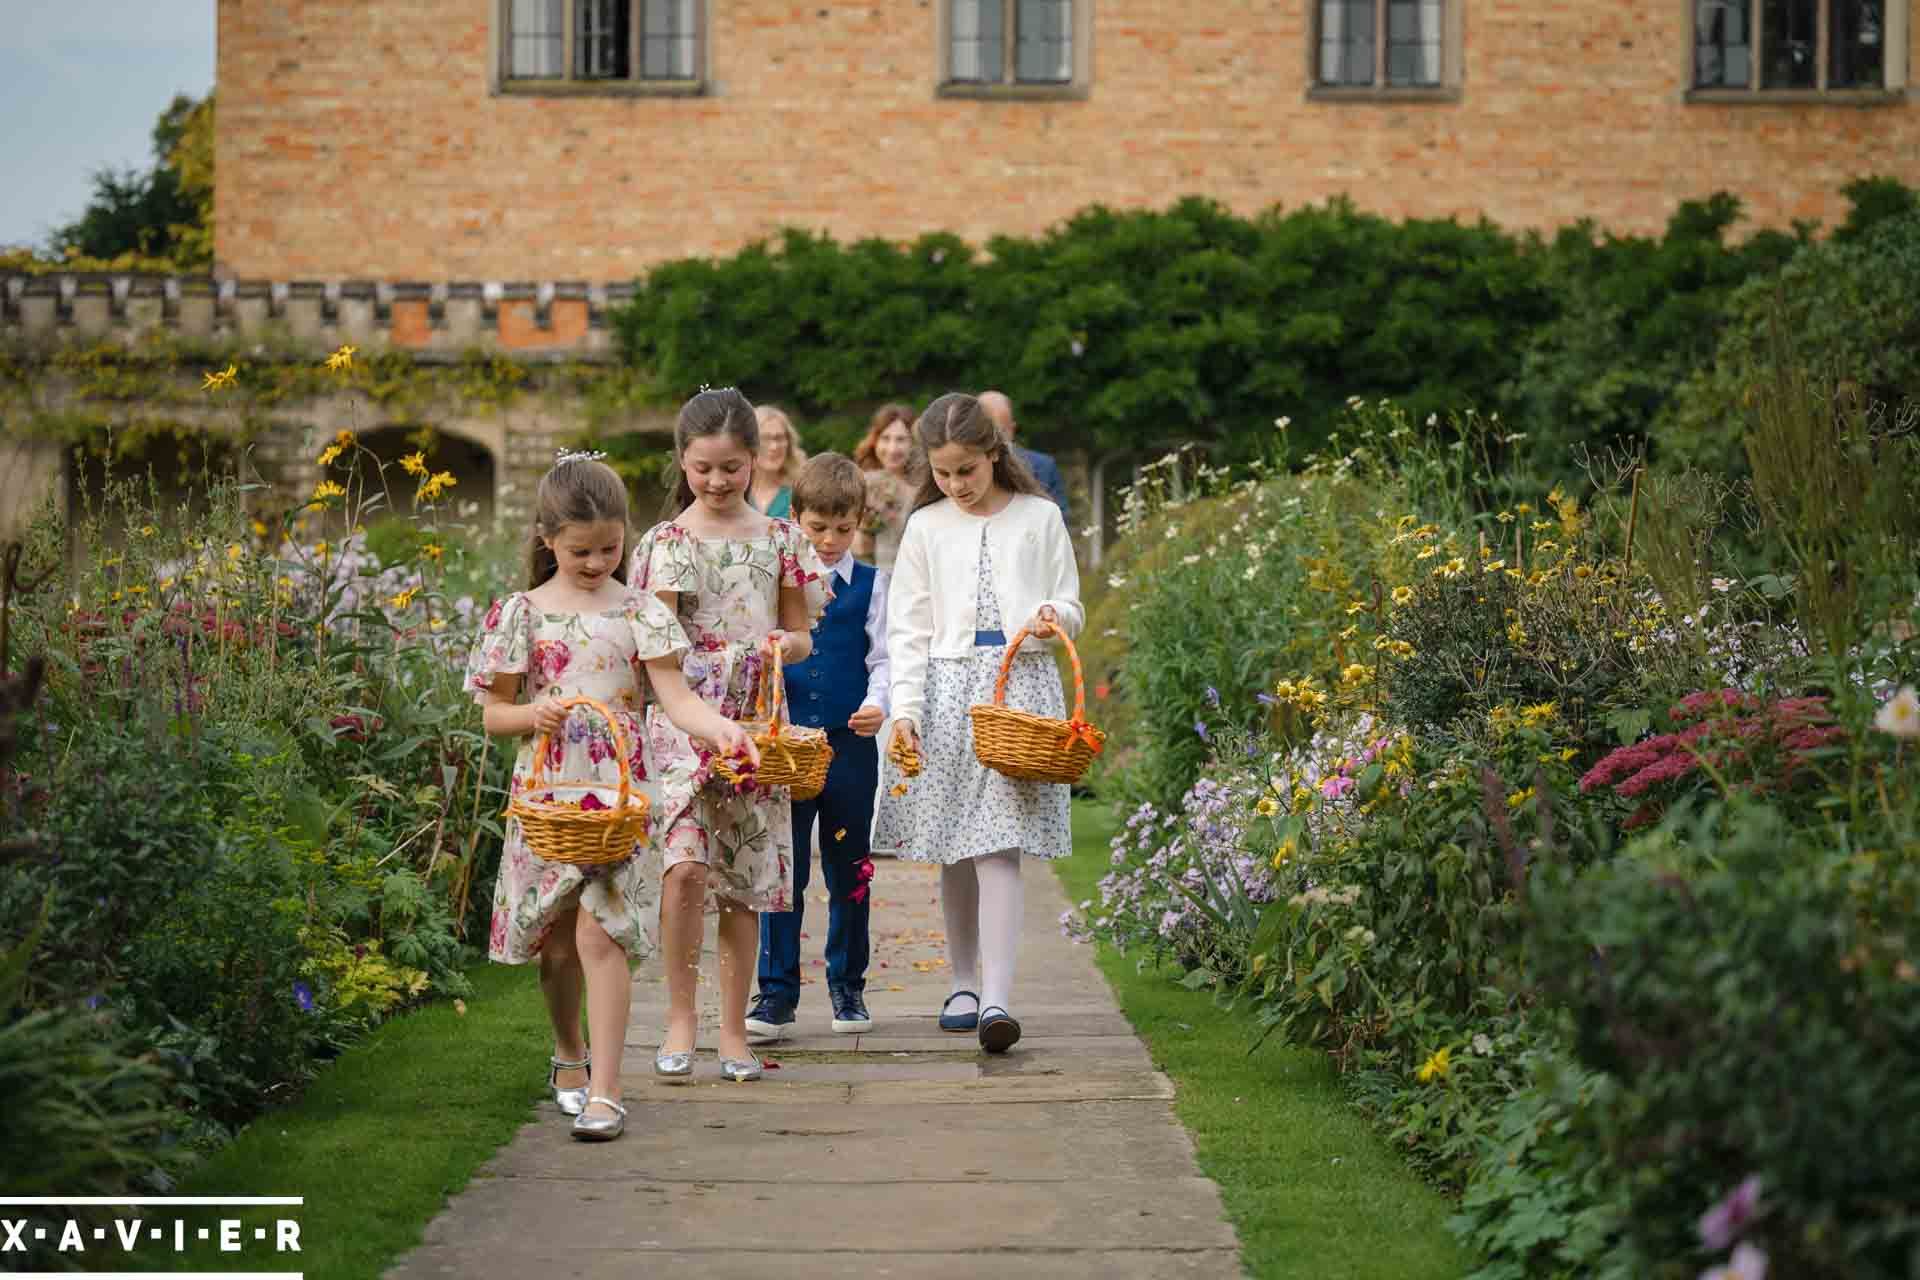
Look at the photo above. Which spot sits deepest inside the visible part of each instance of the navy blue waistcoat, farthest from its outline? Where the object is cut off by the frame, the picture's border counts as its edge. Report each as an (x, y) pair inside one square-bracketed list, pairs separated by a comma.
[(826, 689)]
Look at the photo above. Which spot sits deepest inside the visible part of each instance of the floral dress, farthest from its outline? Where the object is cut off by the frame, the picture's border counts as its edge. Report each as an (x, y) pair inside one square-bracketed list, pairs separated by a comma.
[(958, 808), (728, 601), (563, 655)]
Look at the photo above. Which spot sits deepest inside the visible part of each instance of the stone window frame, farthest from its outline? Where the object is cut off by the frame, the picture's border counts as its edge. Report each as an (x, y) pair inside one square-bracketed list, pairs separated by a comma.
[(1079, 88), (1452, 61), (500, 53), (1893, 72)]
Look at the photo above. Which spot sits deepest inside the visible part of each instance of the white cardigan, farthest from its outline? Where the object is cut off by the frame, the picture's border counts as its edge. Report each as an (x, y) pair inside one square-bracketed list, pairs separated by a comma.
[(930, 606)]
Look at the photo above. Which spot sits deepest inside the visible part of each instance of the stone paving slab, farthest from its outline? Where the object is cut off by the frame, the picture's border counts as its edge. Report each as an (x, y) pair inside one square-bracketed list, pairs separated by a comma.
[(900, 1152)]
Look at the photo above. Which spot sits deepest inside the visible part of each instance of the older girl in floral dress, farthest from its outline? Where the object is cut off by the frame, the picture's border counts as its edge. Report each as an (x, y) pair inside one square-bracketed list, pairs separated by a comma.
[(740, 584)]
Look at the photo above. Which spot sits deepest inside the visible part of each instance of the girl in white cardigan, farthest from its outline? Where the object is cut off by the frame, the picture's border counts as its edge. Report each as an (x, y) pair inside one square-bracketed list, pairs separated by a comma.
[(985, 552)]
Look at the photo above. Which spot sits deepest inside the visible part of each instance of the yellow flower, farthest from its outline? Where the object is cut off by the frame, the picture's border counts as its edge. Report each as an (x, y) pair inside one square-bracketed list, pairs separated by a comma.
[(1424, 552), (414, 464), (259, 529), (1516, 634), (1524, 508), (320, 549), (1538, 713), (1266, 806), (404, 599), (341, 359), (147, 531), (1281, 854), (1519, 798), (1493, 566), (1451, 569), (233, 551), (1355, 673), (1401, 650), (434, 485), (328, 454), (1358, 606), (1437, 1065), (220, 380), (1568, 753), (328, 489), (1402, 595), (1505, 517), (433, 551), (1348, 633), (166, 584), (437, 624)]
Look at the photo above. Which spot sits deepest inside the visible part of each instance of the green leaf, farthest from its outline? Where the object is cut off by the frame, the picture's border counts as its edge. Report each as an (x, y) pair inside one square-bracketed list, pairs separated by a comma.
[(1628, 723), (1197, 978)]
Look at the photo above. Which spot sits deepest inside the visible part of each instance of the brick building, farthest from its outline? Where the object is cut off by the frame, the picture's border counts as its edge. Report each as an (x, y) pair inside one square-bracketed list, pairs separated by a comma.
[(581, 140)]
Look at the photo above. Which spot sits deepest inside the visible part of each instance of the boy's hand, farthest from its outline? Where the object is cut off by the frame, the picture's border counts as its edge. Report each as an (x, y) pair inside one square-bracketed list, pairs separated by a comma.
[(867, 720), (548, 716)]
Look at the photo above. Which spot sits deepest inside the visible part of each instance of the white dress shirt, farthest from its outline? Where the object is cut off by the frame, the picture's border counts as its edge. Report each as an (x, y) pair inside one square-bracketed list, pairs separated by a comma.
[(879, 672)]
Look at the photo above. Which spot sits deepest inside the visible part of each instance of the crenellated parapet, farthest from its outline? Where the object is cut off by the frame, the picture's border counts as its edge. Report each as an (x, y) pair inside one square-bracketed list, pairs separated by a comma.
[(564, 317)]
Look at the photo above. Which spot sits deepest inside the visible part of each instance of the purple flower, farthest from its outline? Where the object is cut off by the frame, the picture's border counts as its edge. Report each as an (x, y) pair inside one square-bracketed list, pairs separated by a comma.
[(1213, 697), (303, 996), (1721, 1225), (94, 1002), (1266, 699), (1200, 727)]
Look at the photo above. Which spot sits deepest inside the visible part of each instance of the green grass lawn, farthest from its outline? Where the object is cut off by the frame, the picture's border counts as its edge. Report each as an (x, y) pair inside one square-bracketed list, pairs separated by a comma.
[(1312, 1190), (386, 1133)]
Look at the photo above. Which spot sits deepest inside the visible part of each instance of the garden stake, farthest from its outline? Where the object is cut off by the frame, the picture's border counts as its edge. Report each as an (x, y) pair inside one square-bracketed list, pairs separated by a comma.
[(1633, 513)]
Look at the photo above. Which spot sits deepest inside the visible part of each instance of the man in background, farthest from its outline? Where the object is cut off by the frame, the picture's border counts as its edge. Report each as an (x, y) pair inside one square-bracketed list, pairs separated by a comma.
[(1044, 468)]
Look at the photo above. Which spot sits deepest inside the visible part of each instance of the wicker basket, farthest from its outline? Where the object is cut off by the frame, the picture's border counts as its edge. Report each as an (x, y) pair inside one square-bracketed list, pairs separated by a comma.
[(790, 755), (562, 831), (1022, 745)]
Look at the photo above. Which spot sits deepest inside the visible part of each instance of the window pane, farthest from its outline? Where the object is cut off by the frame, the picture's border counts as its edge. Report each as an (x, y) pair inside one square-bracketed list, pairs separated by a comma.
[(1346, 41), (534, 34), (668, 39), (1723, 44), (600, 39), (1413, 42), (978, 40), (1858, 50), (1787, 34), (1044, 41)]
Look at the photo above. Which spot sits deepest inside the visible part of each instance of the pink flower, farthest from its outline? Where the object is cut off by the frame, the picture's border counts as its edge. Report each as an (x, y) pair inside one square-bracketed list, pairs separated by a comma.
[(493, 614), (1721, 1225), (550, 658), (497, 933), (591, 802), (1335, 787)]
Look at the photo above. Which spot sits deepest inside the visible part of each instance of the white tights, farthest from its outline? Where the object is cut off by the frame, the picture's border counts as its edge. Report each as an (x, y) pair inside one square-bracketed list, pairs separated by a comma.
[(982, 900)]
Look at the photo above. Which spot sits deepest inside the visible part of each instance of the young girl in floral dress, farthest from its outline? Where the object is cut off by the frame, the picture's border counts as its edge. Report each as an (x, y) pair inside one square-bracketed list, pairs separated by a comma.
[(741, 584), (579, 630)]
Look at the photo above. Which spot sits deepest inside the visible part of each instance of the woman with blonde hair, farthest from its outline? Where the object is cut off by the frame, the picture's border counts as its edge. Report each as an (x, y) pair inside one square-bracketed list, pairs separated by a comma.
[(776, 464), (885, 453)]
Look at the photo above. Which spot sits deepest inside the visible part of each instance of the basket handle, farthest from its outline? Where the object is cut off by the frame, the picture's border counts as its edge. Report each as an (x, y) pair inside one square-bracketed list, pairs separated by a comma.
[(772, 707), (538, 779), (1073, 655)]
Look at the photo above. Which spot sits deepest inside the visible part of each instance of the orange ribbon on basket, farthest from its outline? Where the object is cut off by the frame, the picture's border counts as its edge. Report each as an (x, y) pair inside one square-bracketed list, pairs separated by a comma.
[(1095, 739)]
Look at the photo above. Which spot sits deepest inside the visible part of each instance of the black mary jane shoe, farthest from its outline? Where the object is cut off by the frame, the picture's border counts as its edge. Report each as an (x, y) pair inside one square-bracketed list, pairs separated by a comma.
[(998, 1030), (960, 1021)]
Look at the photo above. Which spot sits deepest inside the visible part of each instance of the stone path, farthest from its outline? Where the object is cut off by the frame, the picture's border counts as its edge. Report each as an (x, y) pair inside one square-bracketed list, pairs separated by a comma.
[(903, 1152)]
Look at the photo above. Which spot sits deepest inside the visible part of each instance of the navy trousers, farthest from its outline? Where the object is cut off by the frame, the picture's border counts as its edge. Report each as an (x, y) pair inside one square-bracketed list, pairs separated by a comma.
[(844, 805)]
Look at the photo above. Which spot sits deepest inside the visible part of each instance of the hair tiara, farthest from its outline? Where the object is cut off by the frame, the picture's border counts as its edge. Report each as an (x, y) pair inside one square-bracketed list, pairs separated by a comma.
[(565, 456), (704, 389)]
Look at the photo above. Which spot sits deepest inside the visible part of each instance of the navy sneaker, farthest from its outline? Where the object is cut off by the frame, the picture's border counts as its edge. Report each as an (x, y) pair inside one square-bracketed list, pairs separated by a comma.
[(768, 1021), (850, 1014)]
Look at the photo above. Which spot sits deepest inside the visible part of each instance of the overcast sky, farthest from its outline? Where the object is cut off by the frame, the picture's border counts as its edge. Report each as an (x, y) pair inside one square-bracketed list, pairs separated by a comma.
[(81, 83)]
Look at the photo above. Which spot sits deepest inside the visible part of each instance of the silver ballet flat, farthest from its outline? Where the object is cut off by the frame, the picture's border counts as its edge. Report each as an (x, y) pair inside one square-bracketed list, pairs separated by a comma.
[(741, 1070), (570, 1101), (591, 1128), (677, 1065)]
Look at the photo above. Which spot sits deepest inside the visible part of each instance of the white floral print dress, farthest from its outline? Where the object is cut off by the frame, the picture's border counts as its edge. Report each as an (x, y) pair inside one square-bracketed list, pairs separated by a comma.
[(958, 808), (728, 592), (563, 655)]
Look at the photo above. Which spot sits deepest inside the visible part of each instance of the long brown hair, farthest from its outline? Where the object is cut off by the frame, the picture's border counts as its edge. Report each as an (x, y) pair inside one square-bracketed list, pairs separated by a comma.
[(581, 491), (957, 418), (866, 454), (709, 413)]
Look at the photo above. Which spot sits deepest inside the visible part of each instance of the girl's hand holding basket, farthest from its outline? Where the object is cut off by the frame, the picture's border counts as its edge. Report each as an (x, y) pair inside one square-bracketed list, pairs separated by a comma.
[(1020, 744), (789, 755), (585, 830)]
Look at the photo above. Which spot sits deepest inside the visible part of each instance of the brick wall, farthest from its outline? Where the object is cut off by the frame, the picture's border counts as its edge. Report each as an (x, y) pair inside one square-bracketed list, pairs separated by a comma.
[(359, 138)]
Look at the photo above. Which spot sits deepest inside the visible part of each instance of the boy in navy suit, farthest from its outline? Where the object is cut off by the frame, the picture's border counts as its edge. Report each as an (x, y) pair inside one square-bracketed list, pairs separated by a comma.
[(841, 688)]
